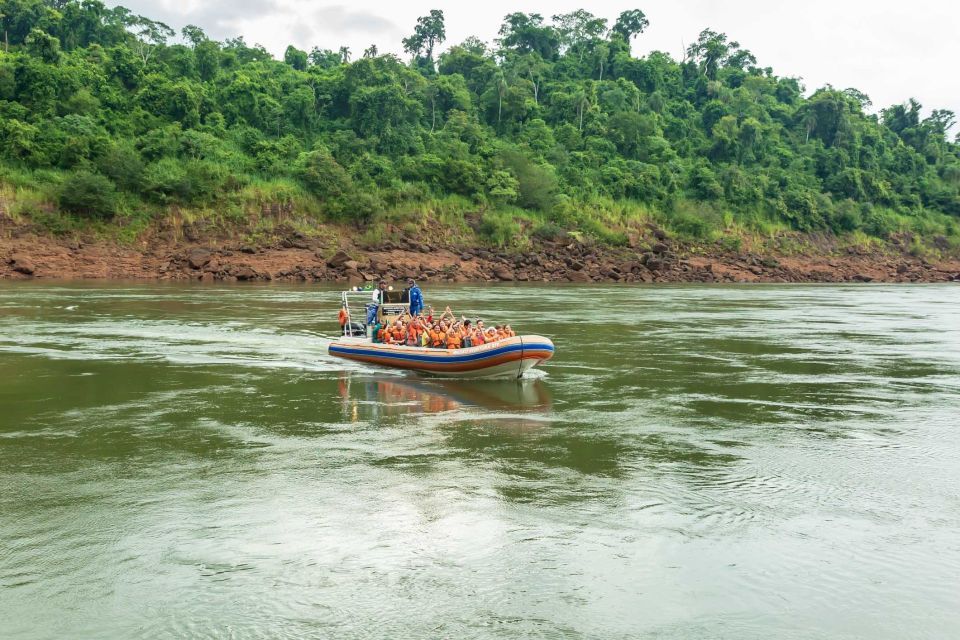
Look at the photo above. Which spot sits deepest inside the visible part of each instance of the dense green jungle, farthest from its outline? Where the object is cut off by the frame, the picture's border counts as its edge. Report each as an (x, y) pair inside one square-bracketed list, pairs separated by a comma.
[(110, 121)]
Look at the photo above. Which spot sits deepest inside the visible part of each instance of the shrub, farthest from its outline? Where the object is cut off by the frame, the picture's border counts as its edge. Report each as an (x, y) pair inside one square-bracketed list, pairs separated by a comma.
[(536, 183), (879, 222), (195, 181), (322, 175), (549, 231), (88, 194), (122, 164), (846, 216), (500, 227)]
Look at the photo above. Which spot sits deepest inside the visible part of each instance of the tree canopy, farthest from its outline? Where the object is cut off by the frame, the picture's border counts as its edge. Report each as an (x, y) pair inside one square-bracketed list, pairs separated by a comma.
[(555, 120)]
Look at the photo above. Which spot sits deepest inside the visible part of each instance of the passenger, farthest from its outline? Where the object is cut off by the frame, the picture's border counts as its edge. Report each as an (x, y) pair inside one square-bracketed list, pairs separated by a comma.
[(399, 335), (377, 333), (453, 337), (387, 332), (448, 312), (437, 336), (510, 333), (467, 334), (412, 338), (478, 337)]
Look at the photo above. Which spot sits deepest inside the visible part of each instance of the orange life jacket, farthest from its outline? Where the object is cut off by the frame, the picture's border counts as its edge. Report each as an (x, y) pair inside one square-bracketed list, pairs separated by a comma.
[(343, 317), (477, 338), (453, 340)]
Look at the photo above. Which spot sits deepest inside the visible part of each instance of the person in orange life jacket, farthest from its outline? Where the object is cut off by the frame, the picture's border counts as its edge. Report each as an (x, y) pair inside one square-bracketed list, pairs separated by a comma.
[(399, 332), (437, 336), (453, 337), (468, 334), (387, 334), (446, 328), (413, 337), (478, 337)]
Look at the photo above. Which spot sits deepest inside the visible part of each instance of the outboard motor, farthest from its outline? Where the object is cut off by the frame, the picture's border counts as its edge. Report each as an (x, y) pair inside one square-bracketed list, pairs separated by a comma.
[(355, 329)]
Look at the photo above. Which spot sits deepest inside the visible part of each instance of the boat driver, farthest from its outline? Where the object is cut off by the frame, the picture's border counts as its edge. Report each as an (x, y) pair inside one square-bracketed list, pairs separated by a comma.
[(376, 301)]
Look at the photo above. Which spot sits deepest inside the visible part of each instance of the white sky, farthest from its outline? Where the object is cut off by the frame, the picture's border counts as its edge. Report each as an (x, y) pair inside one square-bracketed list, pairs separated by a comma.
[(890, 50)]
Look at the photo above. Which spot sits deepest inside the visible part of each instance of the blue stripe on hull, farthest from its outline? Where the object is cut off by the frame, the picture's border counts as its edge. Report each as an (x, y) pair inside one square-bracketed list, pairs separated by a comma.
[(439, 359)]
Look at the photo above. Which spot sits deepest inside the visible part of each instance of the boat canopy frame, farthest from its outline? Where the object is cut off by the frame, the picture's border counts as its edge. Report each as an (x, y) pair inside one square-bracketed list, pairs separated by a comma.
[(395, 307)]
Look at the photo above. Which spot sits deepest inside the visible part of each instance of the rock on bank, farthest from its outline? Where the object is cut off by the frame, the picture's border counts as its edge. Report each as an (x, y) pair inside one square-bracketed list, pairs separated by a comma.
[(654, 259)]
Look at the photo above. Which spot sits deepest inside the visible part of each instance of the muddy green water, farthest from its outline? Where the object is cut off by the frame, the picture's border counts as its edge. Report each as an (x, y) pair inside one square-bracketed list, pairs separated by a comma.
[(722, 462)]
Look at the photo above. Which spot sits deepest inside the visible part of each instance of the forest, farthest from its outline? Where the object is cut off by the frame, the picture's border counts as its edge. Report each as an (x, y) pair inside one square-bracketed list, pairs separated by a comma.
[(111, 120)]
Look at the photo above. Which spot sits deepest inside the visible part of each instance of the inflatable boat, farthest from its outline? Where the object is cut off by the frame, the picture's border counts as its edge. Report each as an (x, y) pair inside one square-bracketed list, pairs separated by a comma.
[(509, 357)]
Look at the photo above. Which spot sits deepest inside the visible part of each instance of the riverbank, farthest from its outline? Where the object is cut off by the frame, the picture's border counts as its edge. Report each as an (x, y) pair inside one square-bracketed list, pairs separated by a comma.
[(651, 257)]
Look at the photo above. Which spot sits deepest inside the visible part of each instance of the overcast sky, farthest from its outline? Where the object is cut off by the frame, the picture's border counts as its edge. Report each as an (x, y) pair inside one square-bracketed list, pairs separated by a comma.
[(890, 50)]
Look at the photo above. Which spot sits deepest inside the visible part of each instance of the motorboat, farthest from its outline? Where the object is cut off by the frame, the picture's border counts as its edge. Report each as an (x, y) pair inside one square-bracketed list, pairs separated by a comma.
[(506, 358)]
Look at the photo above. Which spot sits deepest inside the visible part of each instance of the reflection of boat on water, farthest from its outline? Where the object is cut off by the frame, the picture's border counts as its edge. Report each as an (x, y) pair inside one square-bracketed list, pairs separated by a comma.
[(506, 358), (365, 396)]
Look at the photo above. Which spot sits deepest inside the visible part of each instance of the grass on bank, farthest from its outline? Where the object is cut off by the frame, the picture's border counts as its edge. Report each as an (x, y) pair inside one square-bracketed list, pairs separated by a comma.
[(255, 209)]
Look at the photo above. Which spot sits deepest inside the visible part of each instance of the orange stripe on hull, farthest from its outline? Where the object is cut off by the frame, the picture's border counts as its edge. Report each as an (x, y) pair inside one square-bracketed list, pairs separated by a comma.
[(449, 366)]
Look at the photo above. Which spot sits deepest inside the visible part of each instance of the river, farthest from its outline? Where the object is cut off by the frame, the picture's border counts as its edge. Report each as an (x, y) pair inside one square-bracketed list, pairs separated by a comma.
[(725, 462)]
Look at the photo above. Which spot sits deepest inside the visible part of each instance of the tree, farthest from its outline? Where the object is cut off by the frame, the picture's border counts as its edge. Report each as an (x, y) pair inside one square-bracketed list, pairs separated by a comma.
[(526, 33), (578, 29), (371, 51), (532, 67), (295, 58), (193, 34), (501, 85), (207, 54), (43, 45), (150, 34), (325, 58), (712, 50), (941, 121), (862, 99), (6, 32), (427, 34), (629, 24)]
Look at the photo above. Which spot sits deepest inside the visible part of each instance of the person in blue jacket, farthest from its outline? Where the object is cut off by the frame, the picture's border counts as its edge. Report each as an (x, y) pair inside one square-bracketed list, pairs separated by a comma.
[(415, 296)]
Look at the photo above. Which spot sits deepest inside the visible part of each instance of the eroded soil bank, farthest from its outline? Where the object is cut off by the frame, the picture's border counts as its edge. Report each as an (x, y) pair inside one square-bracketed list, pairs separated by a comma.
[(652, 257)]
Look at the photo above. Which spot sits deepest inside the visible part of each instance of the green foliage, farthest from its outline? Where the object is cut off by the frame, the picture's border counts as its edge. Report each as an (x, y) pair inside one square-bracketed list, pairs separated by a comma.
[(556, 121), (88, 194), (500, 227), (190, 182)]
